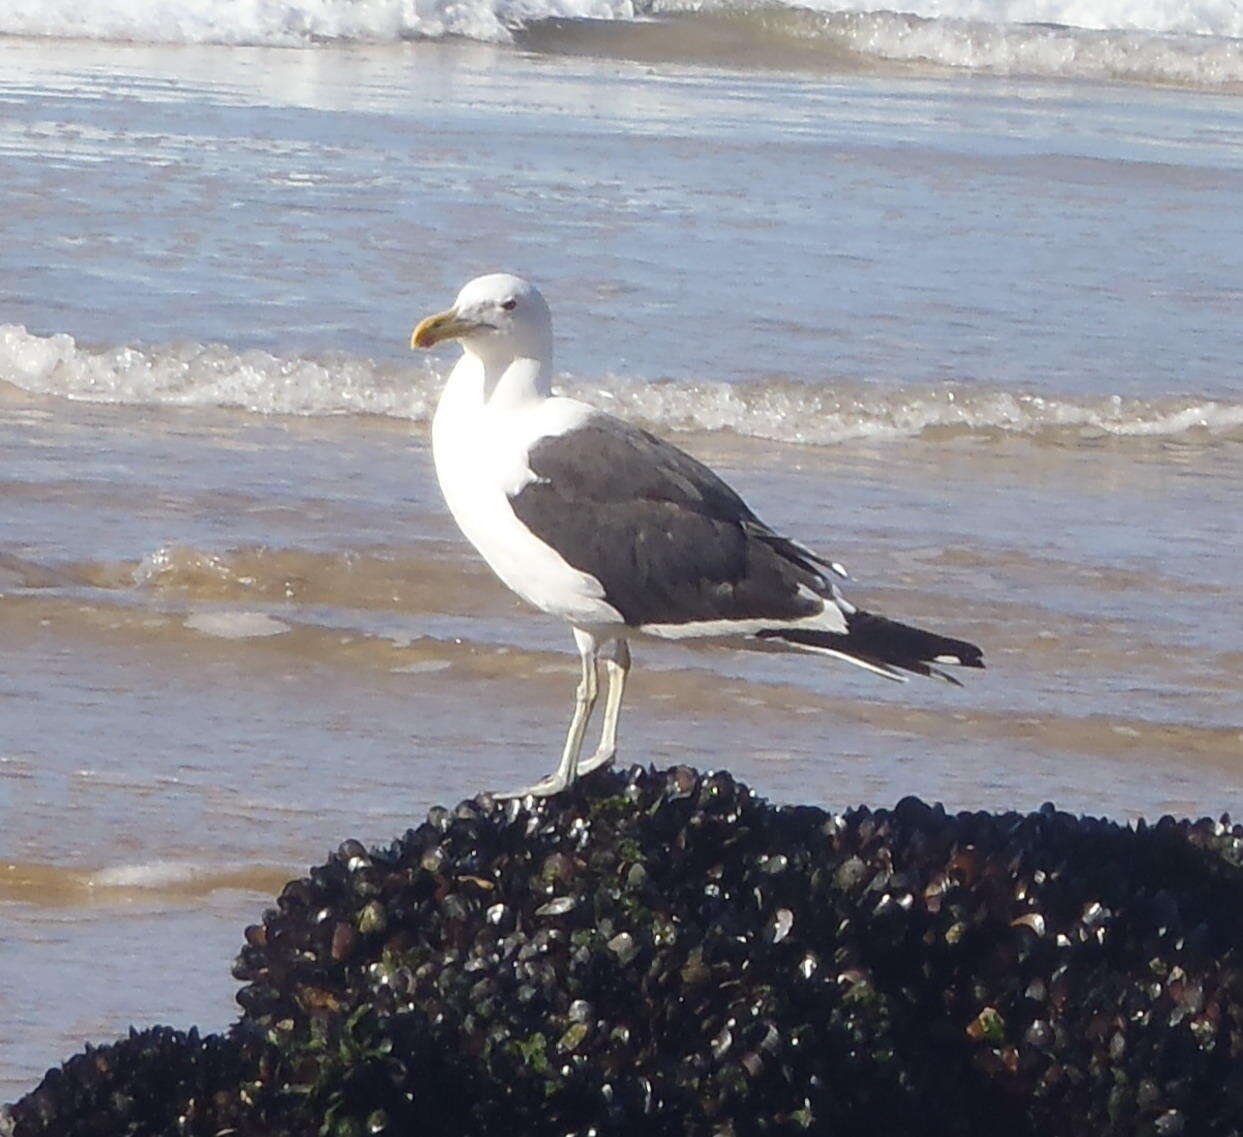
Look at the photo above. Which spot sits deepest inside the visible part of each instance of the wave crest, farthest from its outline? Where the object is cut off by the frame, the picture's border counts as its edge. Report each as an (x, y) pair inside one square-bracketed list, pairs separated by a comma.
[(1168, 17), (290, 23), (191, 375), (806, 415), (1031, 49), (1196, 42), (195, 374)]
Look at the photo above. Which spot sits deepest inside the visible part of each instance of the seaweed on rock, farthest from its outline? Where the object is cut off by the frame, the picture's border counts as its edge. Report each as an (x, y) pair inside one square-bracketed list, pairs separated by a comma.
[(666, 953)]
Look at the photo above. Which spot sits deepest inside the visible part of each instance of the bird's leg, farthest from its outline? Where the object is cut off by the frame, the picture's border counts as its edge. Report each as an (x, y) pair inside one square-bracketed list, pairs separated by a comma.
[(617, 667), (584, 704)]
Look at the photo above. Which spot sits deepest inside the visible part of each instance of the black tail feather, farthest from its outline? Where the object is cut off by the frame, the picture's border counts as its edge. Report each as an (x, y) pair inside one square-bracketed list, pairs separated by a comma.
[(883, 645)]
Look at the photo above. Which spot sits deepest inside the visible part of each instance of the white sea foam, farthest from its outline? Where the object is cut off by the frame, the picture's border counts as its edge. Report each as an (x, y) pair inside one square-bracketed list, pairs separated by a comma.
[(1030, 49), (168, 877), (153, 874), (289, 23), (1175, 17), (1198, 42), (193, 374), (825, 416), (212, 375)]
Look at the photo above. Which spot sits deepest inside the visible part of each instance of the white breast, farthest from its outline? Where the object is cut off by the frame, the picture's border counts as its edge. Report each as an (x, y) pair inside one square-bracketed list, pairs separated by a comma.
[(481, 458)]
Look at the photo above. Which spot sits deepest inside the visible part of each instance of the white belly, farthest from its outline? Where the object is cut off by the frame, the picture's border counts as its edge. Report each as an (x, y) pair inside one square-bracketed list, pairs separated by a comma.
[(480, 456)]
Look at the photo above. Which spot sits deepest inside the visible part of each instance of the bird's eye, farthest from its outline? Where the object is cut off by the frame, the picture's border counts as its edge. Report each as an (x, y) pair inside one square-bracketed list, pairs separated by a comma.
[(509, 305)]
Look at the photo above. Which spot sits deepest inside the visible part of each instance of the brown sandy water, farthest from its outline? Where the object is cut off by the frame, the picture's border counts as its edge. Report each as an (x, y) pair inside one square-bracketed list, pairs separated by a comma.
[(213, 675)]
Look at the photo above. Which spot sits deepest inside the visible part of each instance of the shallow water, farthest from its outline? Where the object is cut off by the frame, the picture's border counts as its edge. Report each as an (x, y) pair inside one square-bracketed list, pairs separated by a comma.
[(977, 339)]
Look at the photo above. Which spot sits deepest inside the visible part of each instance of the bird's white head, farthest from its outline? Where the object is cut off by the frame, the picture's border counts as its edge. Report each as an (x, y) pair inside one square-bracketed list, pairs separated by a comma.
[(497, 317)]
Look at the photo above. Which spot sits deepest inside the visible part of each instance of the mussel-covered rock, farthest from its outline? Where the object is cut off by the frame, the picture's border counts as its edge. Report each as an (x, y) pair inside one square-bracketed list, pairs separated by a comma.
[(665, 953), (156, 1081)]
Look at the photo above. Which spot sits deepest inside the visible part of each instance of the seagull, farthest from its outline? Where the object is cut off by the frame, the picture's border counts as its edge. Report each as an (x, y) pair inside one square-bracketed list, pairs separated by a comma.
[(620, 533)]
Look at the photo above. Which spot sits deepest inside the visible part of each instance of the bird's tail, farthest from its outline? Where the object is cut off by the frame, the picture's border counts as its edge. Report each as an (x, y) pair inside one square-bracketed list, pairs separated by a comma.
[(884, 646)]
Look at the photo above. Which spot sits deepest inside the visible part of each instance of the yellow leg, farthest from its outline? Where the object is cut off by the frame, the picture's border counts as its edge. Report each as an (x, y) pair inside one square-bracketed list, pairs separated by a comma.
[(584, 703), (617, 667)]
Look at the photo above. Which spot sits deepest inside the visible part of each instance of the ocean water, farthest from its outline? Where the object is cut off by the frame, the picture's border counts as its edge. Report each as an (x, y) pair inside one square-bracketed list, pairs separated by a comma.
[(954, 294)]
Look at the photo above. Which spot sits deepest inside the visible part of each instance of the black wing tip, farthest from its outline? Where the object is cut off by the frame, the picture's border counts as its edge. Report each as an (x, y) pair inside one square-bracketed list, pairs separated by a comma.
[(903, 642), (883, 644)]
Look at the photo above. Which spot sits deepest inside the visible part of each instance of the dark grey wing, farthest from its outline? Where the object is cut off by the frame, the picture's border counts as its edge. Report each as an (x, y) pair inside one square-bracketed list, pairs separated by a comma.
[(670, 542)]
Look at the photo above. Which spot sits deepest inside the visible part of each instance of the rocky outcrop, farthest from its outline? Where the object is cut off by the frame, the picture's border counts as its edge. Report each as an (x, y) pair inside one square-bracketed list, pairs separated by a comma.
[(665, 953)]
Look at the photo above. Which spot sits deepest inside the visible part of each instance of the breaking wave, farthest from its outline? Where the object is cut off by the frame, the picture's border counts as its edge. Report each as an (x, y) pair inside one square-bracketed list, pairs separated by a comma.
[(1172, 17), (1190, 42), (290, 23), (197, 375), (1038, 49), (286, 23)]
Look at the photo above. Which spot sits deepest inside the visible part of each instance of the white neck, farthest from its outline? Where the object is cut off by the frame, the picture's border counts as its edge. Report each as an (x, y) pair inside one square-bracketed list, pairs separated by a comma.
[(502, 381)]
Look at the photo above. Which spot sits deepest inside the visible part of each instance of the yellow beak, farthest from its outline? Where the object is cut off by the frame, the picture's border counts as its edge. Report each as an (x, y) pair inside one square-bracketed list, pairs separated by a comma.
[(442, 326)]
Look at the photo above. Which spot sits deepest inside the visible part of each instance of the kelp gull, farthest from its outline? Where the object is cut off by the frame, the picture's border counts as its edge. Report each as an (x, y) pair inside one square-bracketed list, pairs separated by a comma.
[(621, 533)]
